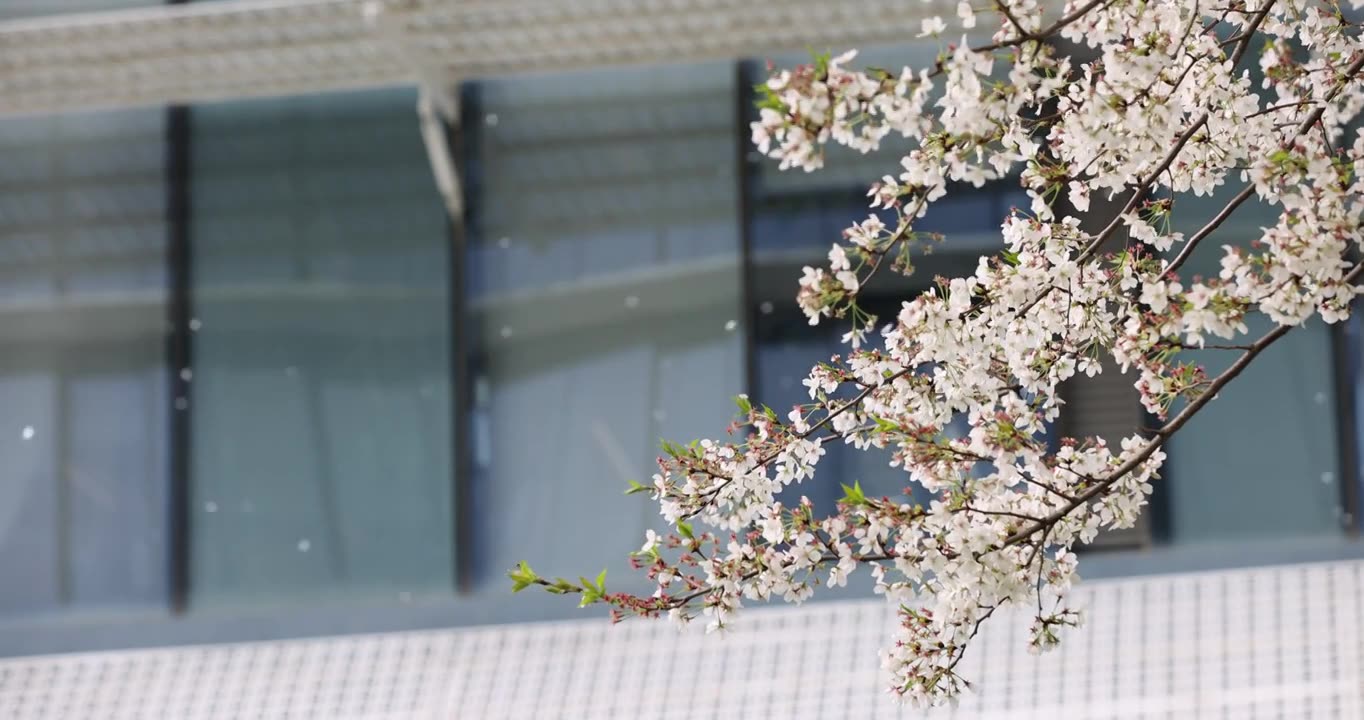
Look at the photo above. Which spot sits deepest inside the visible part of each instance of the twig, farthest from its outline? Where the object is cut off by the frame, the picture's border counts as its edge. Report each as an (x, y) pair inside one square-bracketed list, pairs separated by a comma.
[(1168, 429)]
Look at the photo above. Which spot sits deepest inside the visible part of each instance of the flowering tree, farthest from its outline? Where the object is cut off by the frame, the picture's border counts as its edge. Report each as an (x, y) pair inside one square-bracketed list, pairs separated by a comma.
[(1148, 103)]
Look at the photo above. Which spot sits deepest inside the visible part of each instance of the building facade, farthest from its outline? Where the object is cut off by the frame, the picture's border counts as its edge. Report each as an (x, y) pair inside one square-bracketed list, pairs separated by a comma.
[(258, 385)]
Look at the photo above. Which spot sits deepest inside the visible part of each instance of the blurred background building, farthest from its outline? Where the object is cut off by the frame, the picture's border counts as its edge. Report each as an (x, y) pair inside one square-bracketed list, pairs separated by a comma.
[(318, 315)]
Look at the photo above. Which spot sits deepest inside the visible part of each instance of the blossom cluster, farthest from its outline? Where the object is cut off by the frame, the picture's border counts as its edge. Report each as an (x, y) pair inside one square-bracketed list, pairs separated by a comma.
[(1151, 103)]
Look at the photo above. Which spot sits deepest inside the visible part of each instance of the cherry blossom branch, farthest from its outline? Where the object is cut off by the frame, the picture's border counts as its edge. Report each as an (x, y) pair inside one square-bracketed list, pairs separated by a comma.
[(1211, 226), (1025, 37), (1167, 430), (1159, 109), (1243, 40), (1313, 118), (1003, 7), (769, 457), (1138, 194)]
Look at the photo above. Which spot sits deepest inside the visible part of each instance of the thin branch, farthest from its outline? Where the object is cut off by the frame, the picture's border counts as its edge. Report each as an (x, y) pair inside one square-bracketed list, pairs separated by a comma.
[(764, 460), (1049, 488), (1325, 138), (948, 671), (1040, 35), (1275, 108), (1212, 225), (1168, 429), (1209, 346), (1003, 7), (1137, 195), (1244, 42), (1345, 79), (1001, 513), (1312, 119)]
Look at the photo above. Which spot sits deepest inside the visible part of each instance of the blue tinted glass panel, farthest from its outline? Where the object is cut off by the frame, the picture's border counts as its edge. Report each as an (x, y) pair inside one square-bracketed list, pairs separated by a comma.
[(1261, 461), (83, 420), (604, 276), (321, 381)]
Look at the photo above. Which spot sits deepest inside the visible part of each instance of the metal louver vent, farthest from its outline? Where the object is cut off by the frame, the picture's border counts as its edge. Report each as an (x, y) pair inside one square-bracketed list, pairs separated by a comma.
[(1107, 406)]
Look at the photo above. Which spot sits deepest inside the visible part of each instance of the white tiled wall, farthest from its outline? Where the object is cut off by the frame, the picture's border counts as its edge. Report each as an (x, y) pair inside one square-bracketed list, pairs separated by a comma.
[(1278, 642)]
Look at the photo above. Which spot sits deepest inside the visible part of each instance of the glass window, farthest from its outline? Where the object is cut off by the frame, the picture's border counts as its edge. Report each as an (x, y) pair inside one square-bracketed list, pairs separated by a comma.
[(320, 404), (1261, 461), (82, 379), (604, 301)]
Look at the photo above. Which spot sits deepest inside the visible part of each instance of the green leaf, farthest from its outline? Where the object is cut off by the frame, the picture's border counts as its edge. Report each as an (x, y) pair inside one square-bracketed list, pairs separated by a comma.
[(672, 449), (853, 495), (592, 591), (885, 425), (685, 530), (636, 487), (522, 577), (742, 401), (821, 61), (879, 72)]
